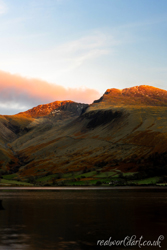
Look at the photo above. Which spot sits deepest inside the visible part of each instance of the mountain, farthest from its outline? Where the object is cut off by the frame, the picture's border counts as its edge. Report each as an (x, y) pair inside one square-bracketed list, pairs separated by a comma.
[(31, 124), (124, 131), (139, 95)]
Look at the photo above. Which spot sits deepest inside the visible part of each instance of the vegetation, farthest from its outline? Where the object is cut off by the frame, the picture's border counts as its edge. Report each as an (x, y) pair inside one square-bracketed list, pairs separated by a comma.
[(111, 178), (14, 183), (151, 171), (9, 176)]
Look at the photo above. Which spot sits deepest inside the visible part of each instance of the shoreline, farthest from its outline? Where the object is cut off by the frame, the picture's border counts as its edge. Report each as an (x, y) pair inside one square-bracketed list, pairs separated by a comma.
[(86, 188)]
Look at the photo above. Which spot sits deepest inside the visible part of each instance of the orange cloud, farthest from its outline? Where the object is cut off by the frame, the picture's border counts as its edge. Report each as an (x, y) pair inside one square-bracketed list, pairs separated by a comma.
[(30, 92)]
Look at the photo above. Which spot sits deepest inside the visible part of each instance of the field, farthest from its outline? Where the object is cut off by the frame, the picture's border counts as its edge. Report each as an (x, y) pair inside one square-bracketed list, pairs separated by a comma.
[(91, 178)]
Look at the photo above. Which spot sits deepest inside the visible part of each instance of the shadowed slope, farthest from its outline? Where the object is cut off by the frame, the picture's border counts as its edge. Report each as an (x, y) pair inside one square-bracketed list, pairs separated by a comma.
[(11, 127)]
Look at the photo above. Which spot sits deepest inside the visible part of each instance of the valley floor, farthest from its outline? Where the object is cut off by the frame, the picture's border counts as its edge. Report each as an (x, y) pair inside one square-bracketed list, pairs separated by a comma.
[(90, 178)]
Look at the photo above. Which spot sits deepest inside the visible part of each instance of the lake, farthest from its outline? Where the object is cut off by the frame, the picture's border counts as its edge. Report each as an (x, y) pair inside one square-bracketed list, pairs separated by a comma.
[(76, 219)]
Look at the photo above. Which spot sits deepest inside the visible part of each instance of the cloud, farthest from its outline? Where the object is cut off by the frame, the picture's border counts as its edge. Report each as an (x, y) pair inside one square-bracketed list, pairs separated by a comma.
[(64, 62), (3, 7), (19, 93), (73, 54)]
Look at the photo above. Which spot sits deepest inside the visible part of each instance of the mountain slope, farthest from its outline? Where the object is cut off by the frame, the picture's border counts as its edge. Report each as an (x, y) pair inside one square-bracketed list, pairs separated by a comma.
[(123, 130)]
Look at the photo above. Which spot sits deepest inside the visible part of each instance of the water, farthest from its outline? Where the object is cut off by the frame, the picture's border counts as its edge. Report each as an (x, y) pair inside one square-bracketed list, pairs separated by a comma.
[(78, 218)]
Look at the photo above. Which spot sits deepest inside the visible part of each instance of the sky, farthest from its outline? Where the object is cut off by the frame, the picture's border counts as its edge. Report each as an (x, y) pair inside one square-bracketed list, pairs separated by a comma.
[(75, 50)]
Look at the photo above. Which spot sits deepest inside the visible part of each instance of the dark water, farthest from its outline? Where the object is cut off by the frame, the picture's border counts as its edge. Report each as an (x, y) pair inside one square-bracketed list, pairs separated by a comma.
[(77, 219)]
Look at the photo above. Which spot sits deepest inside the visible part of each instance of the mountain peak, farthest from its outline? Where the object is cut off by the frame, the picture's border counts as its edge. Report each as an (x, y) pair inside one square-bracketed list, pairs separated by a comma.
[(138, 95), (54, 108)]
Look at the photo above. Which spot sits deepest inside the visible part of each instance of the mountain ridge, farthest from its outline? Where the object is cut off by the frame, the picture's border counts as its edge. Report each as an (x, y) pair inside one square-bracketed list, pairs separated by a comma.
[(143, 94), (51, 108), (137, 95)]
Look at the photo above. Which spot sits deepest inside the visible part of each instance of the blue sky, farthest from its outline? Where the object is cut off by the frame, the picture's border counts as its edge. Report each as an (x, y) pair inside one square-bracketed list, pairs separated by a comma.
[(97, 44)]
